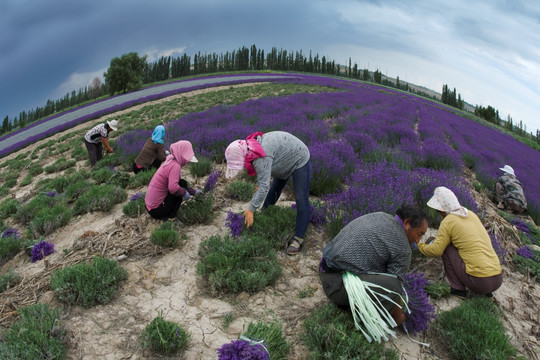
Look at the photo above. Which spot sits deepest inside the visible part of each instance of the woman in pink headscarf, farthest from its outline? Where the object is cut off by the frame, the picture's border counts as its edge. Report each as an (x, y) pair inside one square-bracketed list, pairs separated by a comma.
[(166, 189)]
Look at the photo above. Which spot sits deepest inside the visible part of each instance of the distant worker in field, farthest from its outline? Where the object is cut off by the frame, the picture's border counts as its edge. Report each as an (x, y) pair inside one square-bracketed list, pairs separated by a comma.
[(167, 189), (374, 249), (153, 152), (96, 138), (280, 155), (465, 246), (509, 192)]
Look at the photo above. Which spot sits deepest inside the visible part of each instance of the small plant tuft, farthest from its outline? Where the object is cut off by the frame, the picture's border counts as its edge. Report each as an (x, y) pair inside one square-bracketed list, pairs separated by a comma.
[(88, 285), (240, 190), (165, 236), (164, 336), (9, 279), (230, 265), (272, 335), (197, 210), (276, 224), (201, 168)]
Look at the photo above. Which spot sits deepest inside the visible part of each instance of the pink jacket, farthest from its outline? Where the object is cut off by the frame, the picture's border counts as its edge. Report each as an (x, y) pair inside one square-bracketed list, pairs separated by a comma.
[(166, 178)]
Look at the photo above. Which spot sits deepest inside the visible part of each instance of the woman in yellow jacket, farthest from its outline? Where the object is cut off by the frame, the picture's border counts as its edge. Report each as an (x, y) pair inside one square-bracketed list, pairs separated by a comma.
[(465, 246)]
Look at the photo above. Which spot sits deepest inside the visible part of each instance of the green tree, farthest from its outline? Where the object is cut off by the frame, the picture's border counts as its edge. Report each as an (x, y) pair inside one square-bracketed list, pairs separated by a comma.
[(5, 125), (377, 76), (125, 73)]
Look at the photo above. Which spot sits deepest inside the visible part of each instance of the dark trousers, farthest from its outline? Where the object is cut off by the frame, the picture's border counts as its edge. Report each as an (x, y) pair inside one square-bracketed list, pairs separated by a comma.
[(334, 288), (156, 164), (301, 178), (454, 269), (169, 207), (95, 152)]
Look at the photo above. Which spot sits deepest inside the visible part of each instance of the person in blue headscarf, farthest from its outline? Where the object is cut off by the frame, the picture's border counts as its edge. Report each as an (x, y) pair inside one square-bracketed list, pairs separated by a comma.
[(153, 152)]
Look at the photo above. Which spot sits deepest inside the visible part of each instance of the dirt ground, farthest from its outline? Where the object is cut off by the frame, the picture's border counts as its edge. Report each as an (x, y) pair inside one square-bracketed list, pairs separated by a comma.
[(164, 280)]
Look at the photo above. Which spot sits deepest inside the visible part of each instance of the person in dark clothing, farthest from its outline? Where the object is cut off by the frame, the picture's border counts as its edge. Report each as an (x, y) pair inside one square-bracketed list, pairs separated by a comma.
[(96, 138), (153, 152)]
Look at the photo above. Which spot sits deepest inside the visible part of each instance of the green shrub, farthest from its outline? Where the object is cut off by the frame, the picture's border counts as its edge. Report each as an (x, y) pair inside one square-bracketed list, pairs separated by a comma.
[(164, 337), (240, 190), (141, 179), (79, 153), (272, 334), (329, 333), (88, 285), (19, 164), (58, 184), (48, 220), (165, 236), (119, 178), (9, 207), (102, 175), (276, 224), (437, 290), (134, 208), (9, 247), (36, 335), (40, 202), (248, 264), (10, 175), (9, 184), (59, 165), (197, 210), (109, 160), (9, 279), (28, 179), (35, 170), (528, 266), (473, 330), (201, 168), (99, 198), (76, 189)]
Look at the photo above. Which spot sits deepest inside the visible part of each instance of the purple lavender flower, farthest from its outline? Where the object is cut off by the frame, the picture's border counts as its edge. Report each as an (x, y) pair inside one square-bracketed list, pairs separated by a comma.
[(51, 193), (422, 312), (497, 246), (41, 249), (11, 232), (235, 222), (211, 181), (526, 252), (242, 349), (136, 196)]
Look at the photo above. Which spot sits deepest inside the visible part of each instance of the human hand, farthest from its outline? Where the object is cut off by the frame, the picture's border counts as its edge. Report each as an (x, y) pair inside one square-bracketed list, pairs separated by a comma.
[(167, 152), (248, 217), (186, 196)]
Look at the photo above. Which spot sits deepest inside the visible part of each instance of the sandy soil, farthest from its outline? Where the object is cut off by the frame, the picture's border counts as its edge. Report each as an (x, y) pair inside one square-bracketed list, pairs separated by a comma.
[(163, 280)]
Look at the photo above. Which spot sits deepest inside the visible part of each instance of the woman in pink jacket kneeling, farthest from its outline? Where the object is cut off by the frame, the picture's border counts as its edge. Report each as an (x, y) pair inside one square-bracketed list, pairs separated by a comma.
[(167, 189)]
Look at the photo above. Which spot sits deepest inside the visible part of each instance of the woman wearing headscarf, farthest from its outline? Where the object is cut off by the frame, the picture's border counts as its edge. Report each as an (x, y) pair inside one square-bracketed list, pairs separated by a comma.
[(152, 153), (465, 246), (280, 155), (167, 189)]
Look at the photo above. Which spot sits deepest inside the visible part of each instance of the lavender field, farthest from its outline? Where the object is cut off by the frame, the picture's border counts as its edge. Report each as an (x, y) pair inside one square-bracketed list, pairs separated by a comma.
[(372, 148)]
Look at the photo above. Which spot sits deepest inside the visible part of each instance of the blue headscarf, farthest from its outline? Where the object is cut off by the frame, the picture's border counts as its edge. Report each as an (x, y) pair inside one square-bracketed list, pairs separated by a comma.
[(158, 134)]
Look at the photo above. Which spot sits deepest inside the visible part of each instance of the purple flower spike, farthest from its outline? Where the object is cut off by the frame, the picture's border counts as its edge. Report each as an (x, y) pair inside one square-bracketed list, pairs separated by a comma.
[(422, 312), (136, 196), (11, 232), (50, 194), (41, 249), (235, 222), (526, 252), (211, 181)]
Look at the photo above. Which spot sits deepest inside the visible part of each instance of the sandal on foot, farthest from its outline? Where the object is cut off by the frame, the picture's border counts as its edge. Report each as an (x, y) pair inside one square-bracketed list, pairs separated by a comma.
[(295, 246)]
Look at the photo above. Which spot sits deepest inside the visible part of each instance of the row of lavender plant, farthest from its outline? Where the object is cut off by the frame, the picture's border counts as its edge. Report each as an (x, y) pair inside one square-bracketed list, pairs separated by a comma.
[(372, 149)]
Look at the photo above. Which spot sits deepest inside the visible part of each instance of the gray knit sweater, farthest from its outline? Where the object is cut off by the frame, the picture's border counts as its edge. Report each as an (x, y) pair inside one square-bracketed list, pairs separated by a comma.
[(375, 242), (284, 154)]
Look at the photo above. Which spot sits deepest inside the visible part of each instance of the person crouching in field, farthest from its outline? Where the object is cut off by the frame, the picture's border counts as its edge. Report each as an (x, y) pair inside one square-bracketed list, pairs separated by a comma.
[(167, 189), (280, 155), (375, 251), (96, 138), (465, 246), (509, 192), (153, 152)]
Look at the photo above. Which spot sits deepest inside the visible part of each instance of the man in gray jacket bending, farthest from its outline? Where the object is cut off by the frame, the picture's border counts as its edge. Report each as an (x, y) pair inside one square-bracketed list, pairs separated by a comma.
[(280, 155)]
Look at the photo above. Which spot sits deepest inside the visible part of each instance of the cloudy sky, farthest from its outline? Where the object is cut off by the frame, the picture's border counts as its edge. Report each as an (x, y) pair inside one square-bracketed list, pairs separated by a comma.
[(488, 50)]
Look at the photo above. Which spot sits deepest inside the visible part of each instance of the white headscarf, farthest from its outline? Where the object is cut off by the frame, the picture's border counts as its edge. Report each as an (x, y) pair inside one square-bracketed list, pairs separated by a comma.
[(445, 200)]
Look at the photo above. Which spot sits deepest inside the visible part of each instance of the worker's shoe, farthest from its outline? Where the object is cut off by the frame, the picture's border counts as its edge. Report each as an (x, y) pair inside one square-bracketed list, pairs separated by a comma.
[(295, 245), (459, 293)]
